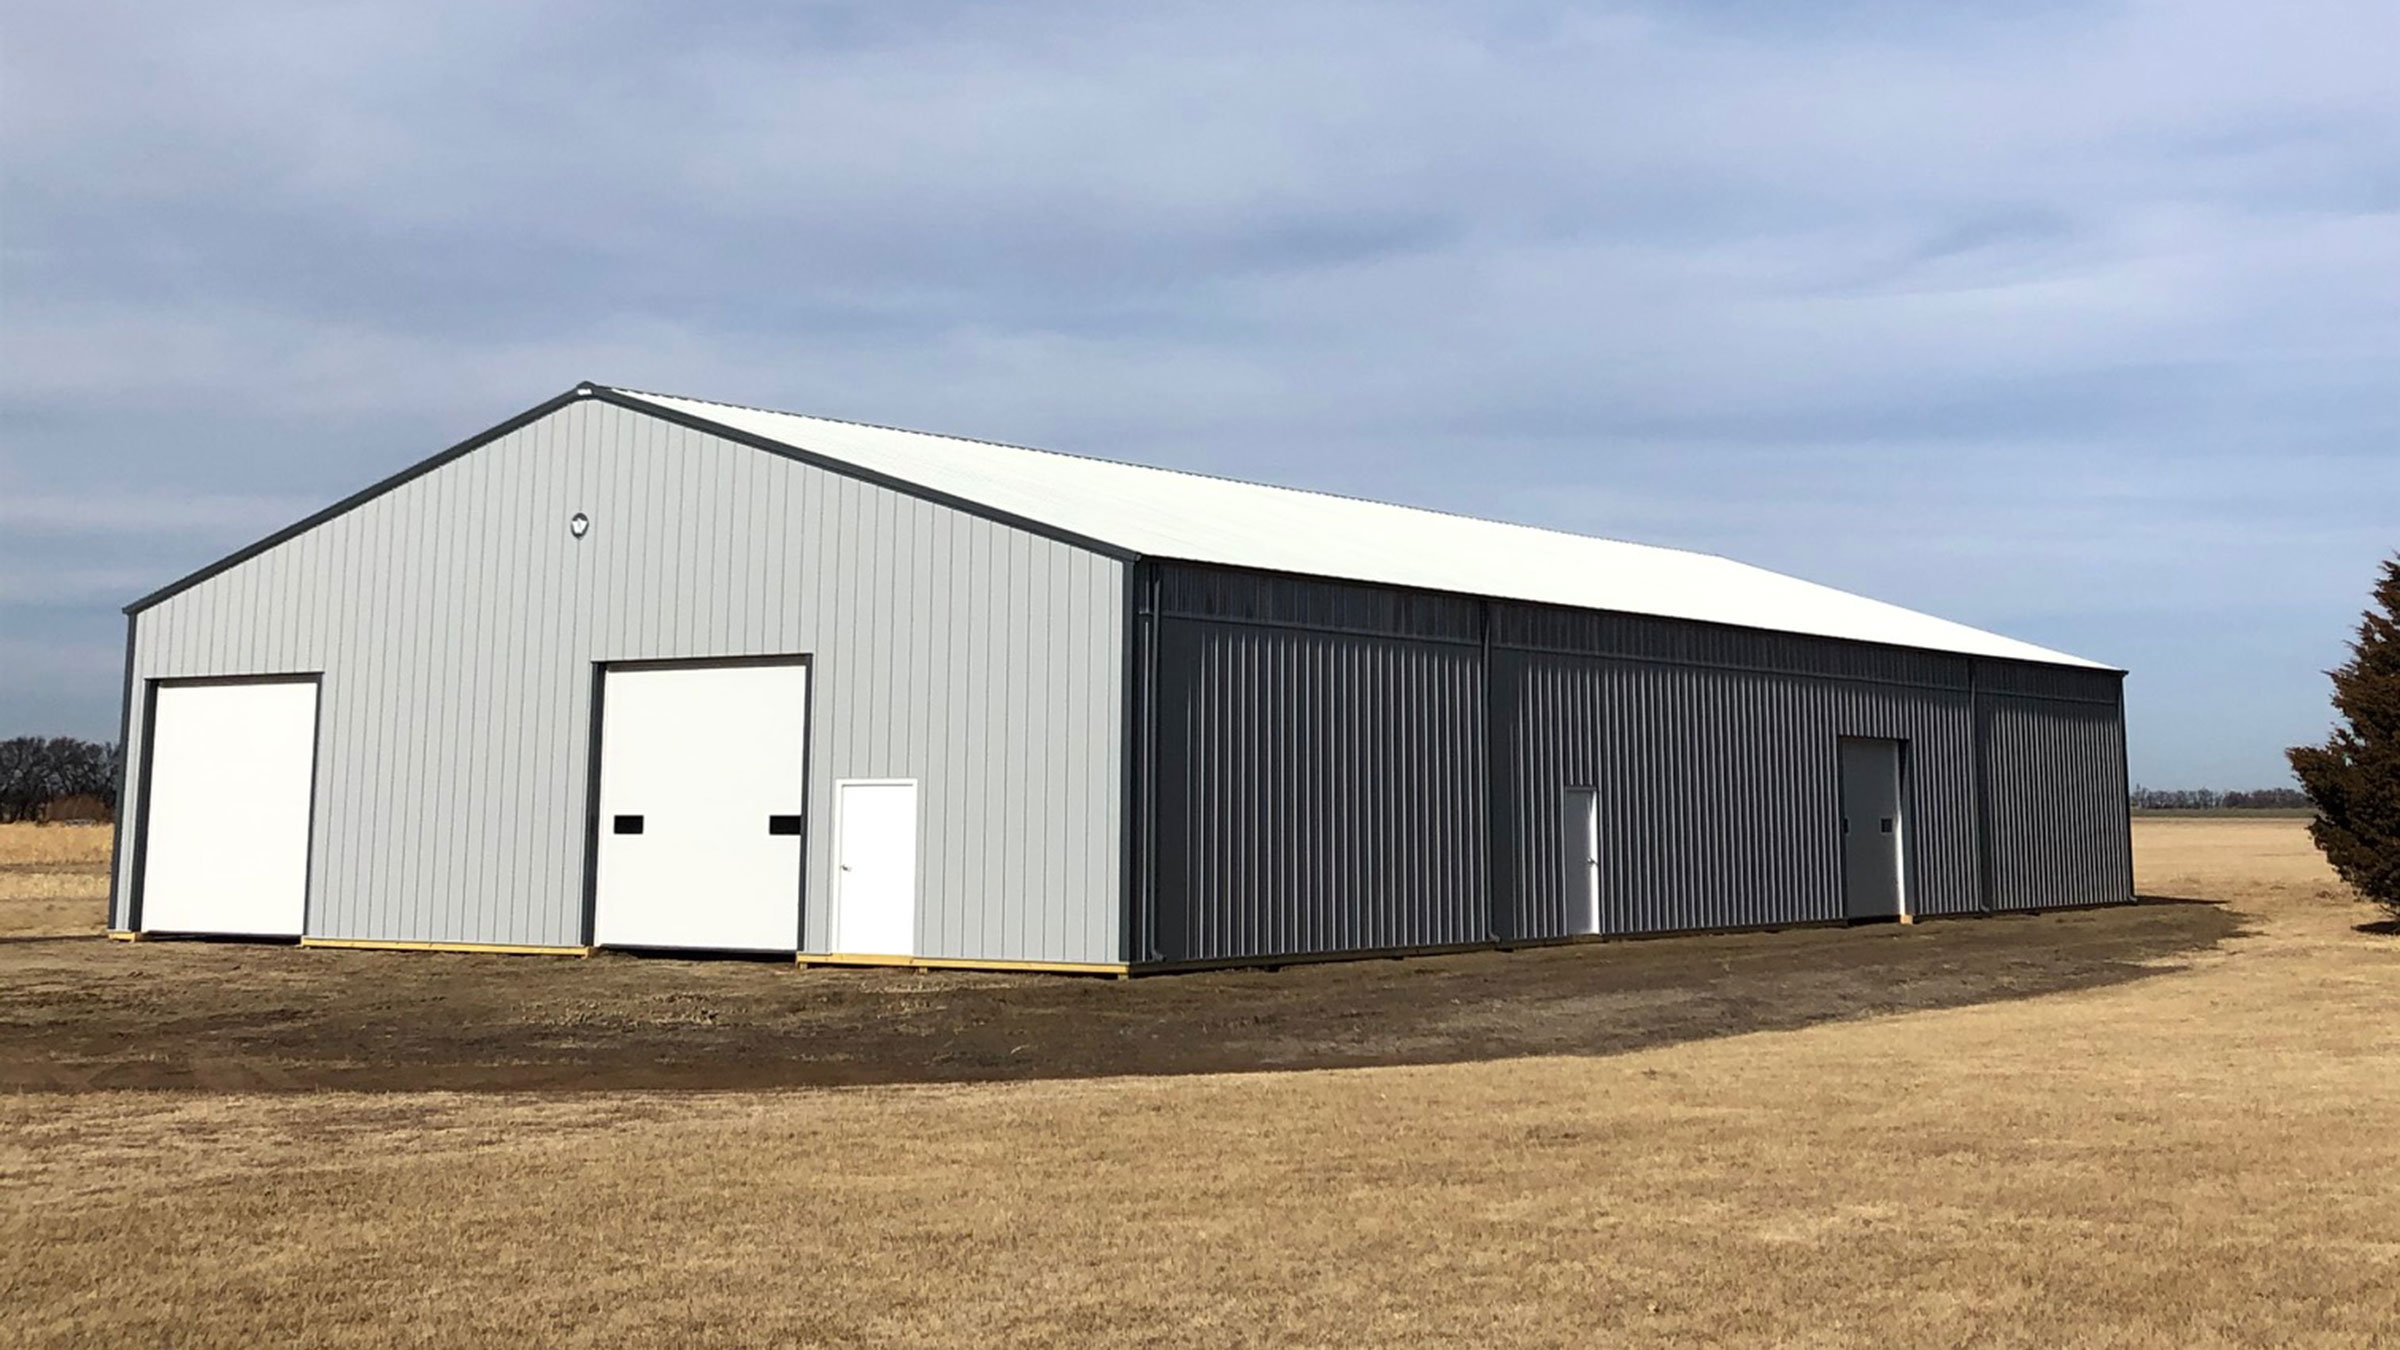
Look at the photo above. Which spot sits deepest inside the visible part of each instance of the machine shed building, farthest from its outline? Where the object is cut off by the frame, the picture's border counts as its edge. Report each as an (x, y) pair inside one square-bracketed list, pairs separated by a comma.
[(639, 671)]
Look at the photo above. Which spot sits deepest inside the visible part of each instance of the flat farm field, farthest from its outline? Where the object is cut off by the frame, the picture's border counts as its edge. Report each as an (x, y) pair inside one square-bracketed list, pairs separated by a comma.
[(2167, 1124)]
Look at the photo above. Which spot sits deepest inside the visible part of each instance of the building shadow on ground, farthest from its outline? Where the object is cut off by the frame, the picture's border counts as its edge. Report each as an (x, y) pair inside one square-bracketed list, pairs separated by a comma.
[(97, 1015)]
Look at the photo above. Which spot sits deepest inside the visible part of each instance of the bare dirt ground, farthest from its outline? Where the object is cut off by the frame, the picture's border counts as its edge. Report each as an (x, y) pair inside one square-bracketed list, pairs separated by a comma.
[(2167, 1124)]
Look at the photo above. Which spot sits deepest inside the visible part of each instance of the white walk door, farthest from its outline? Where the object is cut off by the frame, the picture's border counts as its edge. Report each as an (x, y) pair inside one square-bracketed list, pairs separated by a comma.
[(225, 820), (1580, 831), (701, 791), (875, 880)]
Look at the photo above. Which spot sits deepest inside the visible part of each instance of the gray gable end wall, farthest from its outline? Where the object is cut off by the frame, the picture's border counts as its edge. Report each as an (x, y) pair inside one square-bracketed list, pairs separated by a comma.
[(457, 624)]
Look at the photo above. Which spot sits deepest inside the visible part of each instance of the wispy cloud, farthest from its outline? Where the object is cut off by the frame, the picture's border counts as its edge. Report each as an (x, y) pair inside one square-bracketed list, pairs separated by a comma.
[(38, 587), (214, 516)]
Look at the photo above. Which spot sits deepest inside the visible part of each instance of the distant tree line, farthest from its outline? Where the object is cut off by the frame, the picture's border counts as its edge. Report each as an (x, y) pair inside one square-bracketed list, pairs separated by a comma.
[(2208, 799), (37, 771)]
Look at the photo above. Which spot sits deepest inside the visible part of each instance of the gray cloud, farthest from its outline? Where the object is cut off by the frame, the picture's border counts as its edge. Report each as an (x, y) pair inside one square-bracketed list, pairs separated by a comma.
[(213, 516), (2077, 322)]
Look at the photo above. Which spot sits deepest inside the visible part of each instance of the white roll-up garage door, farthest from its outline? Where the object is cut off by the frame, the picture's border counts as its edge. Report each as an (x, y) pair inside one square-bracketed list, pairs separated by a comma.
[(226, 815), (701, 793)]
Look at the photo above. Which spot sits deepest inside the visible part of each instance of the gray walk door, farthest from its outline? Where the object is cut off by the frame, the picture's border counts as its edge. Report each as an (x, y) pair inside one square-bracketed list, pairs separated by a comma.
[(1872, 829)]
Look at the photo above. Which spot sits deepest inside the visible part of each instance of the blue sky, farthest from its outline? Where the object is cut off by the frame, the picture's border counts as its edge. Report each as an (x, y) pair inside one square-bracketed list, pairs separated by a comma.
[(2081, 323)]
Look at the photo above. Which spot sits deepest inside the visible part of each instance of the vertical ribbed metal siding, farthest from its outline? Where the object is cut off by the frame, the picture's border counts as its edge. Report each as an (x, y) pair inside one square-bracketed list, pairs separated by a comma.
[(1719, 791), (2058, 798), (1573, 632), (1319, 792), (1197, 592), (1714, 751), (456, 622), (2048, 682)]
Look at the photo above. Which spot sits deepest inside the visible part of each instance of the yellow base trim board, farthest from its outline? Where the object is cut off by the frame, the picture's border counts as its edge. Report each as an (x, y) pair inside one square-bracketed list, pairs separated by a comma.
[(123, 935), (490, 948), (966, 963)]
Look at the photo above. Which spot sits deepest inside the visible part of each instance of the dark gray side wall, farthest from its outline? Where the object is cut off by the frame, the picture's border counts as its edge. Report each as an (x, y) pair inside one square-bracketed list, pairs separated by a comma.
[(1719, 791), (1344, 767), (457, 624), (2058, 783), (1320, 792)]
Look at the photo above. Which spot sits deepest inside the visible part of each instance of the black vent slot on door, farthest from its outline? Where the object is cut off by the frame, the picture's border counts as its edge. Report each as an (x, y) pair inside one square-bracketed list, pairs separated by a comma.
[(783, 824), (626, 825)]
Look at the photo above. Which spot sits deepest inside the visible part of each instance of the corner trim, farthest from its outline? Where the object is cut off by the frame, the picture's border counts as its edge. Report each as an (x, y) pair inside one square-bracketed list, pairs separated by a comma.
[(117, 887)]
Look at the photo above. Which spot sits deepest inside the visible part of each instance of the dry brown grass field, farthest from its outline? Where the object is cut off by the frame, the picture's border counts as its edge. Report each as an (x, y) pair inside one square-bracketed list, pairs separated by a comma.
[(2168, 1124), (53, 879)]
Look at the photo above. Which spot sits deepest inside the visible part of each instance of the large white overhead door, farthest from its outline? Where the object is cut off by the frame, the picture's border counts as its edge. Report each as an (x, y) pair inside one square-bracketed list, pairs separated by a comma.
[(225, 818), (701, 791)]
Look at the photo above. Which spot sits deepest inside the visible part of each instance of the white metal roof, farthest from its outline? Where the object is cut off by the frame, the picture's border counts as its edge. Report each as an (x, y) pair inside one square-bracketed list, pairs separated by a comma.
[(1164, 513)]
